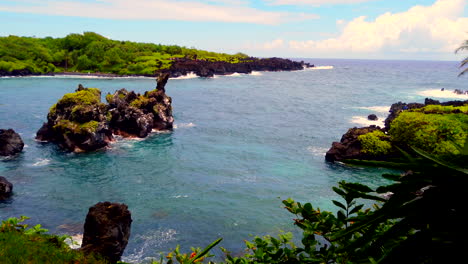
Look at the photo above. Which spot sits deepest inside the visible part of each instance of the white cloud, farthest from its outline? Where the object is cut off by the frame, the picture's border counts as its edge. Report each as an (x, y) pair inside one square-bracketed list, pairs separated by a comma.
[(275, 44), (435, 28), (315, 2), (185, 10)]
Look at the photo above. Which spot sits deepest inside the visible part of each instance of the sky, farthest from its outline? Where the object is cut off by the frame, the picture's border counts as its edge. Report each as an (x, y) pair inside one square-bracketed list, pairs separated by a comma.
[(350, 29)]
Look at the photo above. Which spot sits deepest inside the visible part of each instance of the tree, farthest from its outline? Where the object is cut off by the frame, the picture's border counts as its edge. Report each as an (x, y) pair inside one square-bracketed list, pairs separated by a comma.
[(464, 62)]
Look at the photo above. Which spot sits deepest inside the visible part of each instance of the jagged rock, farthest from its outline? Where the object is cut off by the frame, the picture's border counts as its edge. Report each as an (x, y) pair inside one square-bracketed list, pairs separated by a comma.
[(10, 142), (349, 146), (161, 81), (107, 230), (80, 122), (6, 188), (372, 117), (77, 122), (137, 115)]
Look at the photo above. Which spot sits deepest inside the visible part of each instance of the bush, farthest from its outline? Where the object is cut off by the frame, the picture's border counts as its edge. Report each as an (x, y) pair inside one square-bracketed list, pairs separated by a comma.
[(375, 143), (434, 133)]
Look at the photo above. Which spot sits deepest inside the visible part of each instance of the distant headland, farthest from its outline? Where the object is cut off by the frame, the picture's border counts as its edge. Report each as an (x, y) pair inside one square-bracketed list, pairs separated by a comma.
[(92, 54)]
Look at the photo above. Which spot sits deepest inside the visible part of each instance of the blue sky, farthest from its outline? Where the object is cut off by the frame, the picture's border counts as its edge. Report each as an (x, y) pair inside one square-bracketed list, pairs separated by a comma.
[(373, 29)]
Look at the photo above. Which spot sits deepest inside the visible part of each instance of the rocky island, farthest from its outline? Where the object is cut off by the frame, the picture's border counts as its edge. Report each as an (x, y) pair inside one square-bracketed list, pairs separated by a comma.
[(433, 126), (80, 122)]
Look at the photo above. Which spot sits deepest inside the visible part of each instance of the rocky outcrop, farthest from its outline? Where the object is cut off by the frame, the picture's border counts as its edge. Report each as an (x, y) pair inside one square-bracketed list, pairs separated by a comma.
[(204, 68), (137, 115), (10, 142), (372, 117), (349, 146), (107, 230), (6, 188), (78, 122)]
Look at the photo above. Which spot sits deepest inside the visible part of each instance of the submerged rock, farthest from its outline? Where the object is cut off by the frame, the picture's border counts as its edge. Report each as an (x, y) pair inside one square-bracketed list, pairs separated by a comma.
[(107, 230), (10, 142), (78, 122), (372, 117), (6, 188), (349, 146)]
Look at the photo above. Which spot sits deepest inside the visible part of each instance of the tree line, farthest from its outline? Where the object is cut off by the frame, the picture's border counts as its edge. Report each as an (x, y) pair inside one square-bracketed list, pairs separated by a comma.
[(91, 52)]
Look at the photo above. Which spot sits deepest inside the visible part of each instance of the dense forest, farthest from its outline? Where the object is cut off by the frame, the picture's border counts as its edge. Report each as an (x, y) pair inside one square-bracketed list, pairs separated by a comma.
[(91, 52)]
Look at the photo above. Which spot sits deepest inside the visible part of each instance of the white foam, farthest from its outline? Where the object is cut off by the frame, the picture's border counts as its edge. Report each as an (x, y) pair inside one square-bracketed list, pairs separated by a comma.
[(184, 125), (236, 74), (320, 68), (74, 241), (190, 75), (443, 94), (151, 240), (317, 151), (179, 196), (41, 162), (378, 109), (363, 121), (256, 73)]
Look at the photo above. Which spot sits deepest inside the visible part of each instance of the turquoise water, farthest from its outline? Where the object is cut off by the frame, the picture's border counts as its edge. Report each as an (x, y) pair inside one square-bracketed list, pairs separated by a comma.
[(241, 144)]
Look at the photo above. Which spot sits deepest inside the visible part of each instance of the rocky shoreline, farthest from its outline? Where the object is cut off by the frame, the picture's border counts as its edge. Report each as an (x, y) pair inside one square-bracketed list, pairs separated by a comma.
[(350, 147), (184, 66)]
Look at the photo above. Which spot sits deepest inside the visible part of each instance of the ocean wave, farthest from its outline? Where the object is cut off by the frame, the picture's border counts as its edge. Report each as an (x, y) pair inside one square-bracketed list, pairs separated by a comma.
[(256, 73), (378, 109), (184, 125), (41, 162), (180, 196), (190, 75), (150, 241), (363, 121), (236, 74), (443, 94), (317, 151), (320, 68)]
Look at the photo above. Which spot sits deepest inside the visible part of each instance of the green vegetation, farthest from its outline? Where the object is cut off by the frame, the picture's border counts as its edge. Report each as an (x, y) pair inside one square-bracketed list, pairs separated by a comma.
[(20, 244), (88, 96), (375, 143), (434, 133), (91, 52)]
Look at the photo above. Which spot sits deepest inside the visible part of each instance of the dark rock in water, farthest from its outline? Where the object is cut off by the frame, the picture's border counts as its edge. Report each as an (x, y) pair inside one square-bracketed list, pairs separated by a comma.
[(372, 117), (349, 147), (107, 230), (10, 142), (136, 115), (396, 109), (78, 122), (6, 188)]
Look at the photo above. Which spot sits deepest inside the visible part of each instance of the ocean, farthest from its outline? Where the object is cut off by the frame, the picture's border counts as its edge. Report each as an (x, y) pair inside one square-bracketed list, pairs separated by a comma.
[(241, 144)]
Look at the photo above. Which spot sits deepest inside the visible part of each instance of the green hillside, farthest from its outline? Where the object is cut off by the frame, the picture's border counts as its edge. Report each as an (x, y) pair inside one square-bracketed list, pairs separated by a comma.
[(91, 52)]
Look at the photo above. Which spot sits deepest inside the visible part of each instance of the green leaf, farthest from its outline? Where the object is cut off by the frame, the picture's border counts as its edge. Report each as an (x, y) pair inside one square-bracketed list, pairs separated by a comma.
[(339, 204), (356, 209), (205, 251)]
